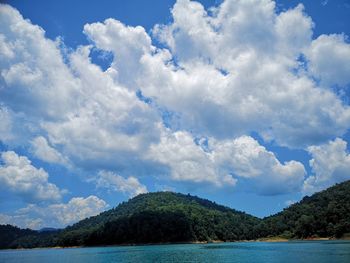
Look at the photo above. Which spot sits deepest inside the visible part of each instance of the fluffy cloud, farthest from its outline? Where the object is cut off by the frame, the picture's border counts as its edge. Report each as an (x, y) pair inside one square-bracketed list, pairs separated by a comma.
[(226, 72), (111, 128), (42, 150), (130, 186), (329, 57), (187, 161), (223, 162), (239, 71), (32, 69), (127, 43), (330, 164), (87, 116), (252, 161), (19, 176), (55, 215)]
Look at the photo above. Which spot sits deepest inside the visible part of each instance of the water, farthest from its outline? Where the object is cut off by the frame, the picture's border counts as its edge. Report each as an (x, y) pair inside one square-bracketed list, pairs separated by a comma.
[(308, 251)]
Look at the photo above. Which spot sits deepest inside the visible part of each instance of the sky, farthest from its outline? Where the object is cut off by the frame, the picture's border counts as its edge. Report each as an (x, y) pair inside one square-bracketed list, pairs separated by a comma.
[(245, 103)]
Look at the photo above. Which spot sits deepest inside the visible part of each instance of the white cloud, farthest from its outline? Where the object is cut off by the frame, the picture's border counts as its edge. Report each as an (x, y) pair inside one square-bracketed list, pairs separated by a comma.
[(32, 69), (35, 81), (6, 125), (187, 161), (242, 157), (266, 174), (329, 58), (42, 150), (130, 186), (330, 164), (111, 128), (294, 31), (55, 215), (127, 43), (264, 87), (226, 73), (19, 176)]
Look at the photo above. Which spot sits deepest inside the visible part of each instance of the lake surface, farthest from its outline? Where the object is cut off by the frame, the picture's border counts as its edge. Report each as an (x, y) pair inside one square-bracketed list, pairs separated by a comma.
[(303, 251)]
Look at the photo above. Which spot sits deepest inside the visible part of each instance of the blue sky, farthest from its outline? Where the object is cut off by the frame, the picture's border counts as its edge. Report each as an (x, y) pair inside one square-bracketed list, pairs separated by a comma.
[(245, 103)]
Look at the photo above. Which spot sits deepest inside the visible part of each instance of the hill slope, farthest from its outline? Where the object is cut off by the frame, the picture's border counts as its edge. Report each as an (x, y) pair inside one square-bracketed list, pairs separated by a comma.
[(14, 237), (162, 217), (324, 214), (10, 233)]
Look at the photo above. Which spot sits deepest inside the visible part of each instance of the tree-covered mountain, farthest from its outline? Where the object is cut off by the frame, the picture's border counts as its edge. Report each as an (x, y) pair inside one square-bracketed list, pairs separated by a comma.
[(10, 233), (162, 217), (172, 217), (324, 214), (14, 237)]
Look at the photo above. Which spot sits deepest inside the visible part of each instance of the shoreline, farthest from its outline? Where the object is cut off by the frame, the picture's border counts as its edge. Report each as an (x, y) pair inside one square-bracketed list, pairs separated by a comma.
[(261, 240)]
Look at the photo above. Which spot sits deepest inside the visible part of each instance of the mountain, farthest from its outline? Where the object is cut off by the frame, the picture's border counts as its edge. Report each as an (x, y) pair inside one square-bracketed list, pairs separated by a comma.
[(48, 229), (162, 217), (14, 237), (172, 217), (324, 214), (10, 233)]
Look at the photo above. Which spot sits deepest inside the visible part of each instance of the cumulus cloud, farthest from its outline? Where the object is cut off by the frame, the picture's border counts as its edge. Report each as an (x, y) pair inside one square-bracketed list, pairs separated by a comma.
[(329, 57), (187, 161), (224, 162), (130, 186), (97, 119), (19, 176), (237, 68), (252, 161), (55, 215), (42, 150), (127, 43), (112, 127), (330, 164), (32, 69)]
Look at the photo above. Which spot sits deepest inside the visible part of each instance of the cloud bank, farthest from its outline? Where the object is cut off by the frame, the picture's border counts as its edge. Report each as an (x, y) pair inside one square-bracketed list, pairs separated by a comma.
[(184, 111)]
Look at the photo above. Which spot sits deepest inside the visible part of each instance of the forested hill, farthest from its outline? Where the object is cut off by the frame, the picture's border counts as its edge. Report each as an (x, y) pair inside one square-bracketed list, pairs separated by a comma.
[(171, 217), (154, 218), (324, 214), (10, 233), (162, 217)]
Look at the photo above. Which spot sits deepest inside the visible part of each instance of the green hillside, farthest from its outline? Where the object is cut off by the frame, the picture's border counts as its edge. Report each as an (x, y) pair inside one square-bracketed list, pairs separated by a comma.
[(324, 214), (162, 217), (14, 237)]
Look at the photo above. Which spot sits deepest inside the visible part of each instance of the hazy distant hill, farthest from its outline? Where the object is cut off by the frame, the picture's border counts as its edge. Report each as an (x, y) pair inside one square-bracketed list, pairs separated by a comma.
[(172, 217)]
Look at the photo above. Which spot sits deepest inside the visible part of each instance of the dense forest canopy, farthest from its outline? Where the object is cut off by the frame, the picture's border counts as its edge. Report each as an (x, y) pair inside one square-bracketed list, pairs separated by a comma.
[(172, 217)]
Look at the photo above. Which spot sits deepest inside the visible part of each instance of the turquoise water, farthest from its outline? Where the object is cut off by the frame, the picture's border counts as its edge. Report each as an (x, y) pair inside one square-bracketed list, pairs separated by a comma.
[(309, 251)]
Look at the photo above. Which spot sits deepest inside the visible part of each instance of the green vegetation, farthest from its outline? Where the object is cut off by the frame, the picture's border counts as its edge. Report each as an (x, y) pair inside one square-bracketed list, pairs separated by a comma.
[(324, 214), (14, 237), (161, 217), (171, 217)]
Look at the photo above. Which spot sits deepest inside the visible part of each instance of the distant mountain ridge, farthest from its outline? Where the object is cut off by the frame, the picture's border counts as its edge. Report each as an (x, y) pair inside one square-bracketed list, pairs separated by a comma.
[(48, 229), (166, 217)]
